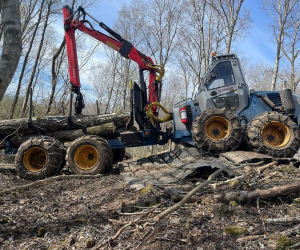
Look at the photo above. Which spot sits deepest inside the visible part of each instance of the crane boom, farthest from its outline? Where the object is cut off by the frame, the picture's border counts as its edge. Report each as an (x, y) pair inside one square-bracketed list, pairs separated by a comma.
[(124, 47)]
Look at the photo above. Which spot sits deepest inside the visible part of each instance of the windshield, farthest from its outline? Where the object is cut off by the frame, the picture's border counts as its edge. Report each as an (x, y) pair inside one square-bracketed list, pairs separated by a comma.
[(220, 76)]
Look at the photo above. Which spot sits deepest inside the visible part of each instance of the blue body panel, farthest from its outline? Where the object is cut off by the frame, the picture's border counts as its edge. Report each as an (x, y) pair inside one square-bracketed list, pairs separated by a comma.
[(256, 106)]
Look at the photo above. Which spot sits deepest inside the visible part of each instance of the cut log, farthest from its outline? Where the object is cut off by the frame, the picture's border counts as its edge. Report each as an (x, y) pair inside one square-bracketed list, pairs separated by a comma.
[(58, 123), (258, 193), (106, 131)]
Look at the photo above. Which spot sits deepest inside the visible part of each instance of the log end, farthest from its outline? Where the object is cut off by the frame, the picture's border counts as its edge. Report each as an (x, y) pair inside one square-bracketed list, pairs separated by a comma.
[(156, 219)]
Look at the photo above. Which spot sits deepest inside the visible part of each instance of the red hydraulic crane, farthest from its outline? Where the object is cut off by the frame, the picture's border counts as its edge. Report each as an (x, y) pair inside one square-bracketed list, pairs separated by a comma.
[(124, 47)]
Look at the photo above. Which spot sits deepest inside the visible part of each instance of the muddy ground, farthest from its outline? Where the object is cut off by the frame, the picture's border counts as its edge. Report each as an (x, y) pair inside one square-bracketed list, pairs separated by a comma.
[(81, 214)]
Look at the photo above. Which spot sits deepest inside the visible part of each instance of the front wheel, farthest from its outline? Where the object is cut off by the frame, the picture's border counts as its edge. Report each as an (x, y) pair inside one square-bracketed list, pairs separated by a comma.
[(89, 155), (274, 134), (216, 130)]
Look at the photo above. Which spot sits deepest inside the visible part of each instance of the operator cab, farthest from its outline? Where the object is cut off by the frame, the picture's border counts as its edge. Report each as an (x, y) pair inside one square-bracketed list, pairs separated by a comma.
[(224, 86)]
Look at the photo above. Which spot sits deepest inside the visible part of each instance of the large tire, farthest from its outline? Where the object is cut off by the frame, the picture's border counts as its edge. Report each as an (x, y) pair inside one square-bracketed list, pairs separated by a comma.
[(274, 134), (89, 155), (40, 157), (118, 154), (216, 130)]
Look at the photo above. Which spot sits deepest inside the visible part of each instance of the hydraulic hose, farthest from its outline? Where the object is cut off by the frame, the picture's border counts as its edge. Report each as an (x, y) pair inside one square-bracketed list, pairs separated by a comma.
[(152, 117)]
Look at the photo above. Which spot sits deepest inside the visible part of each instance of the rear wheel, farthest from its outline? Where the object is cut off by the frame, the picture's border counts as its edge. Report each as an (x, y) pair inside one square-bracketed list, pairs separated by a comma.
[(274, 134), (39, 157), (216, 130), (89, 155)]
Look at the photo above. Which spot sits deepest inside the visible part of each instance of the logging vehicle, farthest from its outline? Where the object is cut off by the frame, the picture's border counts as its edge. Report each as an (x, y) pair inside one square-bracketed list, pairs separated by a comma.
[(222, 116)]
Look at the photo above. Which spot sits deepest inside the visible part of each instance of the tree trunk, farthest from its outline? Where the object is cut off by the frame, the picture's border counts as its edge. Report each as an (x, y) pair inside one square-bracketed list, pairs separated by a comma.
[(24, 106), (276, 67), (106, 131), (12, 44), (58, 123), (54, 74), (14, 103)]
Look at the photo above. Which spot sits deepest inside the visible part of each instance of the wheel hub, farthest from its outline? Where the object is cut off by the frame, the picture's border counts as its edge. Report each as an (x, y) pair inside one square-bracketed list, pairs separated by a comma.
[(275, 134), (35, 159), (86, 157), (217, 128), (216, 132), (270, 138)]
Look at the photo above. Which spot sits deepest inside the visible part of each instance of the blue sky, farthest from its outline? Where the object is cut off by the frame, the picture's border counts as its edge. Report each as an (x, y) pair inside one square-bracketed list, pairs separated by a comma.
[(255, 47), (258, 44)]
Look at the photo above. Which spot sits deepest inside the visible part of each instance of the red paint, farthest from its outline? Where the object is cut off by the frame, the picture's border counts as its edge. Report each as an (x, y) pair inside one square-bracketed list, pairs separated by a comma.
[(141, 59)]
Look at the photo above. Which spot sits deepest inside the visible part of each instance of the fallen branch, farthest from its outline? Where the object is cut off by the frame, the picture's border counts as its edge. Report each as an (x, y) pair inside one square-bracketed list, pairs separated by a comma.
[(129, 214), (296, 246), (283, 220), (263, 194), (261, 169), (122, 228), (260, 215), (188, 196), (175, 241), (251, 237), (220, 183), (246, 164), (48, 180)]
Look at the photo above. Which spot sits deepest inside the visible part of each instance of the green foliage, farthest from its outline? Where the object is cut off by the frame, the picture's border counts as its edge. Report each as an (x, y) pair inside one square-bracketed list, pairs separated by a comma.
[(233, 203), (283, 243), (235, 230), (146, 190)]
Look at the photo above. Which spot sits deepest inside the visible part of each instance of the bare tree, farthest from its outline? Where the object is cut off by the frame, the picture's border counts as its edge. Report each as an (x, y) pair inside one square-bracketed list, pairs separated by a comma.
[(291, 46), (235, 22), (33, 36), (55, 68), (280, 11), (259, 75), (161, 28), (24, 106), (12, 45)]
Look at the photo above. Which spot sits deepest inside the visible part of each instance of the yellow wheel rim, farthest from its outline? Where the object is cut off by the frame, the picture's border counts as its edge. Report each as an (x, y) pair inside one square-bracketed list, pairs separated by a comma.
[(275, 134), (217, 128), (35, 159), (86, 157)]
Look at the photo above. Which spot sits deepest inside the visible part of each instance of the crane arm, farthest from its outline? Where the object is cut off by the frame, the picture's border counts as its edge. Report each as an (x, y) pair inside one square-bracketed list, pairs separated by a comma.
[(124, 47)]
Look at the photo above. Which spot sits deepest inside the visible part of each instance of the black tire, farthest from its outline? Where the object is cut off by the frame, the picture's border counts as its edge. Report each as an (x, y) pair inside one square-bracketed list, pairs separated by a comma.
[(216, 130), (89, 155), (274, 134), (118, 154), (40, 157)]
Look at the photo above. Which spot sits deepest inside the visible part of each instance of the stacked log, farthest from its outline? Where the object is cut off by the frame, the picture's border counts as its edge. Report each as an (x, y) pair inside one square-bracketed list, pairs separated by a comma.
[(18, 130)]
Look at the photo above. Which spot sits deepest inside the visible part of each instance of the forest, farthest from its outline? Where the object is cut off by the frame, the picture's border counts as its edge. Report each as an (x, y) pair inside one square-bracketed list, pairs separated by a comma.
[(179, 35), (170, 197)]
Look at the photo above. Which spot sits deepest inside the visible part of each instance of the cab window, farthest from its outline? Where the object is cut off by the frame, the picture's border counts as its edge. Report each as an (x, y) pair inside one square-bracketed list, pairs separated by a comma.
[(220, 76)]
